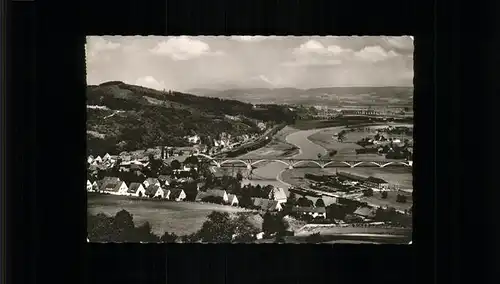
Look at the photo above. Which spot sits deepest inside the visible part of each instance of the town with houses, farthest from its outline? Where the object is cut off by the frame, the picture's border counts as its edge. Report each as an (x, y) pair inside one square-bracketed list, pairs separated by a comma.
[(341, 199), (278, 152)]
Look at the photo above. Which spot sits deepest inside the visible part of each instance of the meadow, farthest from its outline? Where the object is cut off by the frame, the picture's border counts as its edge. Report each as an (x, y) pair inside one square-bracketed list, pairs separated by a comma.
[(181, 218)]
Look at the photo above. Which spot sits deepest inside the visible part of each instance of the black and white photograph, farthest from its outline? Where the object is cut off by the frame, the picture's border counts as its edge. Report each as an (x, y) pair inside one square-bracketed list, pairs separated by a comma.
[(249, 139)]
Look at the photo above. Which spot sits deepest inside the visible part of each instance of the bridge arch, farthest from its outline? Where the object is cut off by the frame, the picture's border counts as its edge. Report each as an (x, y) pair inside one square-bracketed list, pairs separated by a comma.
[(339, 162), (403, 163), (269, 160), (394, 162), (307, 161), (236, 160), (357, 164)]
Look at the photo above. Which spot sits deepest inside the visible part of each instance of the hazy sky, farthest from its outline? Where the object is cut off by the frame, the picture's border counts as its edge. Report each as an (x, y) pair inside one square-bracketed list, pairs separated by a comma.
[(186, 62)]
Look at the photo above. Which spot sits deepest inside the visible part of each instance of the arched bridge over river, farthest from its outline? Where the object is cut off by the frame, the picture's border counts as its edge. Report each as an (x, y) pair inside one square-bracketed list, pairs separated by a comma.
[(292, 163)]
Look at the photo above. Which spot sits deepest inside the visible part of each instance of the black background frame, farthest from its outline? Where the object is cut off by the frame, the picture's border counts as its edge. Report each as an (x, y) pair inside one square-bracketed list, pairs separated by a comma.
[(46, 209)]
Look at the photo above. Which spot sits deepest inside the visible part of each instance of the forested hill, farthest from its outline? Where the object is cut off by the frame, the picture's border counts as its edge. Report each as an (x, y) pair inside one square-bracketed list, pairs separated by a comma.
[(122, 117)]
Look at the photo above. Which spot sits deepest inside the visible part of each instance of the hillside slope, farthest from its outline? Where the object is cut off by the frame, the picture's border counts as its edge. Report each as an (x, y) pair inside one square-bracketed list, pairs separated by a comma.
[(131, 117)]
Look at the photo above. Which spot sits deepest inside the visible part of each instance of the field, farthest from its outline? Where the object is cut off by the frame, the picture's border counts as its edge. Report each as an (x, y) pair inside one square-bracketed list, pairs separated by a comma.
[(180, 218)]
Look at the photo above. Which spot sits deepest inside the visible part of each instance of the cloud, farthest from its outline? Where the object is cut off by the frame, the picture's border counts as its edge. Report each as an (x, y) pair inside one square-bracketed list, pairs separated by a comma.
[(374, 54), (96, 45), (150, 82), (183, 48), (248, 38), (402, 42), (314, 53), (315, 47)]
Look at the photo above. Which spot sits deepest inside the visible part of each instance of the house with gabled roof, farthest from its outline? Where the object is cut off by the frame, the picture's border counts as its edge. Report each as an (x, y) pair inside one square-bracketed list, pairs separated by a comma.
[(95, 186), (154, 191), (200, 195), (151, 181), (90, 159), (107, 180), (136, 189), (278, 194), (232, 200), (89, 185), (266, 204), (117, 188), (165, 179), (97, 160), (218, 193), (177, 194), (106, 157), (365, 212)]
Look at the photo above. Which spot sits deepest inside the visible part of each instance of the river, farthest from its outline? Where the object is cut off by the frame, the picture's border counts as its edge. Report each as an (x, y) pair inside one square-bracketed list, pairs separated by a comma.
[(270, 173)]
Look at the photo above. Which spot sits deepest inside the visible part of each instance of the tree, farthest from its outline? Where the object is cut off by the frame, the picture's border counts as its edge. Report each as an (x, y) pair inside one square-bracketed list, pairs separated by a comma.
[(239, 176), (320, 203), (217, 229), (169, 238), (193, 173), (245, 200), (274, 224), (368, 192), (268, 224), (304, 202), (191, 238), (175, 164), (319, 155), (123, 219), (245, 232), (143, 233), (191, 190), (191, 160), (100, 228), (292, 199), (384, 194)]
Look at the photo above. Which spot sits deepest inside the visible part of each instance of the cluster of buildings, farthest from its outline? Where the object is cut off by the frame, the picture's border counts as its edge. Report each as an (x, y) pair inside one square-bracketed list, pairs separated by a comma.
[(348, 182), (224, 141), (377, 111), (161, 188), (151, 188)]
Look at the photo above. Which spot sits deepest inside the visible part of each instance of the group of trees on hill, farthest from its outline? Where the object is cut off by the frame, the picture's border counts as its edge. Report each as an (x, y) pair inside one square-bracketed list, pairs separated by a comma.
[(146, 125)]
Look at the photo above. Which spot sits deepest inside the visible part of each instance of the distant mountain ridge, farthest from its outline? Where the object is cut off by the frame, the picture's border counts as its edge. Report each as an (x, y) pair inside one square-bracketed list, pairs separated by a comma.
[(313, 96)]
